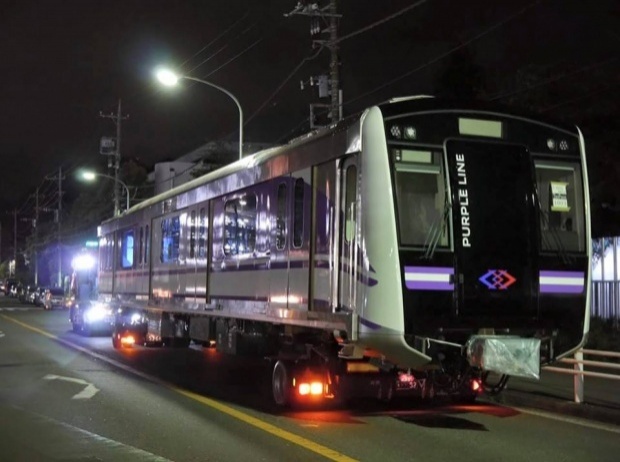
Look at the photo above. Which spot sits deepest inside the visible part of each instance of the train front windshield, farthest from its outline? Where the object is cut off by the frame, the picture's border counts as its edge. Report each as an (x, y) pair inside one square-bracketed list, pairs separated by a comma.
[(420, 197)]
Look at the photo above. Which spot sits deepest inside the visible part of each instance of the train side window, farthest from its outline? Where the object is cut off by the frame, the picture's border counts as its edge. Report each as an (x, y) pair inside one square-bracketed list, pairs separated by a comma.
[(170, 238), (240, 225), (281, 217), (298, 213), (192, 234), (349, 202), (127, 249), (202, 234), (560, 195), (141, 246), (147, 239)]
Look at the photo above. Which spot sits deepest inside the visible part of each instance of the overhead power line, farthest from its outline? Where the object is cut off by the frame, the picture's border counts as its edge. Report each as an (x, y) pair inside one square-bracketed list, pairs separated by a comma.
[(449, 52)]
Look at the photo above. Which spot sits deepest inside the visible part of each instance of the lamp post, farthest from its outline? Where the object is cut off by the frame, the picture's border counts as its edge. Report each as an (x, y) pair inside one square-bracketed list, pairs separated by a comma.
[(90, 176), (170, 79)]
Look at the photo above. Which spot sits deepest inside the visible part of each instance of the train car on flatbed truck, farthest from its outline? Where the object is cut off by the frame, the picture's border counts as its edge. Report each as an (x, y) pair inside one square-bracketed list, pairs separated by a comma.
[(412, 248)]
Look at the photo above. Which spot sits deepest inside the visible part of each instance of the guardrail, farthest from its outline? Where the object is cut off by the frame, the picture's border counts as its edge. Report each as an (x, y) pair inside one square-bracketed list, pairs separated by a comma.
[(578, 368)]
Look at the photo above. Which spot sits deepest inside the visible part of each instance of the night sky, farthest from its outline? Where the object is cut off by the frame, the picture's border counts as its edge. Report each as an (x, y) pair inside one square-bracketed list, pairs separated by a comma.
[(64, 61)]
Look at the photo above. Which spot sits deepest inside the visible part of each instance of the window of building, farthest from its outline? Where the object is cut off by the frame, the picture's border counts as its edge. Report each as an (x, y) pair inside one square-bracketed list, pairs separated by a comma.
[(240, 225), (170, 239)]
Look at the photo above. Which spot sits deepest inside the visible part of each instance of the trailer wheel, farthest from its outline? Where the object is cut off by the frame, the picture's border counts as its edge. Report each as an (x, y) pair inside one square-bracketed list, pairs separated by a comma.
[(281, 384), (116, 341)]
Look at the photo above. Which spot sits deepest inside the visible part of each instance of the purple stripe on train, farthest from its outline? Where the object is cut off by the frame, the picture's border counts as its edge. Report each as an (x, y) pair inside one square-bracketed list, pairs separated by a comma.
[(429, 278), (562, 282)]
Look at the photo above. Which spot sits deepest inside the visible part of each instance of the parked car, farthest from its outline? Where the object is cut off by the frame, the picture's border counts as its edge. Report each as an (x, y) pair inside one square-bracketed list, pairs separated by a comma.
[(15, 290), (39, 296), (54, 298), (8, 284), (24, 294)]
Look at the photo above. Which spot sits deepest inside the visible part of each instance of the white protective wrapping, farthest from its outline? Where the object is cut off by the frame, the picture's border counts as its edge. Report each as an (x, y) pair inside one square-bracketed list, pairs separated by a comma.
[(519, 357)]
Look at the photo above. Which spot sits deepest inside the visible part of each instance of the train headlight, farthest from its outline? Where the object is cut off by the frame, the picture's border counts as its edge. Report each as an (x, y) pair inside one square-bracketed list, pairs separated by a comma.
[(552, 145), (410, 133)]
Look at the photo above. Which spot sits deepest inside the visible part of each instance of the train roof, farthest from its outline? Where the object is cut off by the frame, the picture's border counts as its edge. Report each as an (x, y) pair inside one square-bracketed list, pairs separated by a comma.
[(424, 103), (392, 107)]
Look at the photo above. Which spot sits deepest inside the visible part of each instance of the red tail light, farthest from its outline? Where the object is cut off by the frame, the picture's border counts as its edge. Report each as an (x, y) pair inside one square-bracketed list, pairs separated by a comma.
[(128, 340)]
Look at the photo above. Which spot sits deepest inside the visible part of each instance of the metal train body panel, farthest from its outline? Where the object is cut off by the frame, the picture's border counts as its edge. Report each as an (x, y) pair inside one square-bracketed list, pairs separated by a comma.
[(380, 228)]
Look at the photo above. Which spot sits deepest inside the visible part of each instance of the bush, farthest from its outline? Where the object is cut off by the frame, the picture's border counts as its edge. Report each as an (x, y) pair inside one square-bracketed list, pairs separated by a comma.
[(604, 334)]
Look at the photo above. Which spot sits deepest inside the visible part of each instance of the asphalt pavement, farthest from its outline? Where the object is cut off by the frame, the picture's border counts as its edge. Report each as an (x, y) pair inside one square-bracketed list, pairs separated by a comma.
[(554, 392)]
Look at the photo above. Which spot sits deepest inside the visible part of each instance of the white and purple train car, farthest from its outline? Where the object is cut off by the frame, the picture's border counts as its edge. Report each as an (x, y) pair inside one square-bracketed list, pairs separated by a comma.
[(413, 247)]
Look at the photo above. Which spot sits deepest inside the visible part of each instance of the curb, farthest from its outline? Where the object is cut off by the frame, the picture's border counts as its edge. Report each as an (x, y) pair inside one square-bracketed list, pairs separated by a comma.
[(553, 404)]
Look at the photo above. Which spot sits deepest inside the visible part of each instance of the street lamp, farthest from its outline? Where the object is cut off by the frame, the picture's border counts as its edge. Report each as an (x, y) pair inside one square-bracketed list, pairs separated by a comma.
[(90, 176), (170, 79)]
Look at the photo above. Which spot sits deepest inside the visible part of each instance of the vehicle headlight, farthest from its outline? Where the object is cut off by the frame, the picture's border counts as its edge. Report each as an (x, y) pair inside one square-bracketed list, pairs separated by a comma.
[(136, 318), (96, 313)]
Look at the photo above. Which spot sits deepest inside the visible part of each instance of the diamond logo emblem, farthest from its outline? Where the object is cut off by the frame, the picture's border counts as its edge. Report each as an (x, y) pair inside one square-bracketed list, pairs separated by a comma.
[(497, 279)]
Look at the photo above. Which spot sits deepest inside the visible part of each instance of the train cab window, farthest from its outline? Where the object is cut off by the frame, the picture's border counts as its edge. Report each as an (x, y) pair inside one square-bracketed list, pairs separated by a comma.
[(127, 249), (192, 234), (240, 225), (420, 197), (281, 217), (560, 198), (202, 234), (170, 238)]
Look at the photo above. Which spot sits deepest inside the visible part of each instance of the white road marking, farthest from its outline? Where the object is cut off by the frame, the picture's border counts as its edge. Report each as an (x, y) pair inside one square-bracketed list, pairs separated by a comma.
[(1, 334), (88, 392), (572, 420)]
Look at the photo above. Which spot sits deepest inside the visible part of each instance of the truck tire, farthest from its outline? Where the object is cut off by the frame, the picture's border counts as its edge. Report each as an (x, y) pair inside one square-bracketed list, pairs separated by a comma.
[(281, 384)]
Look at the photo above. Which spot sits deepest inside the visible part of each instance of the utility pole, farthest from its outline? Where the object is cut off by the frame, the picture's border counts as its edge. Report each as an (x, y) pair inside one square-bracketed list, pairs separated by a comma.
[(59, 226), (14, 242), (36, 239), (324, 20), (114, 161), (58, 178)]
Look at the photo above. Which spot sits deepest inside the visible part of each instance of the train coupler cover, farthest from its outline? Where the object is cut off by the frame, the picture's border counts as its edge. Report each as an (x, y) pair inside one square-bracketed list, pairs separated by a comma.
[(514, 356)]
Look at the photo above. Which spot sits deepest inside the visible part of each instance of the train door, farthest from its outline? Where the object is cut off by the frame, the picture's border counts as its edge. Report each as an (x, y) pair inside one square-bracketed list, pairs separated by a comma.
[(348, 254), (279, 245), (495, 234), (299, 242)]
